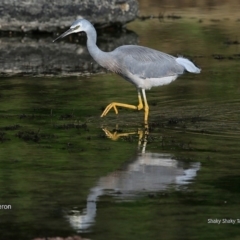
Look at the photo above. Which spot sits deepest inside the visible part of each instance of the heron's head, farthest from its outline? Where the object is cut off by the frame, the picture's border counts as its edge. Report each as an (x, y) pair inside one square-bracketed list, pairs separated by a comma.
[(80, 25)]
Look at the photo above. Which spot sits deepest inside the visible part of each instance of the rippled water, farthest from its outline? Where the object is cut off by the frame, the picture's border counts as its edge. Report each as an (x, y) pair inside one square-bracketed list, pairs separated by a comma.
[(65, 171)]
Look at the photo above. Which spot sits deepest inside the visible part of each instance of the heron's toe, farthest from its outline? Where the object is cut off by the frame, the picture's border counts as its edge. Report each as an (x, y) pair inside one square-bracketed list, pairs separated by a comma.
[(108, 108)]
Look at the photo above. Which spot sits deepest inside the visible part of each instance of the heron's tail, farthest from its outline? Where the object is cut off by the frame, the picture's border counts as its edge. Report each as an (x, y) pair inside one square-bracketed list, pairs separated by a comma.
[(188, 65)]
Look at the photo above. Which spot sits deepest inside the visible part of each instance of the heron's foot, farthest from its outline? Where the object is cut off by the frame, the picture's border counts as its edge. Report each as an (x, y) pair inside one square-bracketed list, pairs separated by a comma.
[(114, 105)]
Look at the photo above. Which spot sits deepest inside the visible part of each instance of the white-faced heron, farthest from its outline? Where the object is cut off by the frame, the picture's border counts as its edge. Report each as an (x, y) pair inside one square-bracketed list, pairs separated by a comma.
[(144, 67)]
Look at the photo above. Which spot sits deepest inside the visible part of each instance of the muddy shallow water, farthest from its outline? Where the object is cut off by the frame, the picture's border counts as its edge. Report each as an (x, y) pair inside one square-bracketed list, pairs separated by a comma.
[(67, 172)]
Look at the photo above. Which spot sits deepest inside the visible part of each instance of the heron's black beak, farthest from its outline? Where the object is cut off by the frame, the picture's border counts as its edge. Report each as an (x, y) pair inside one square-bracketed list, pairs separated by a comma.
[(69, 31)]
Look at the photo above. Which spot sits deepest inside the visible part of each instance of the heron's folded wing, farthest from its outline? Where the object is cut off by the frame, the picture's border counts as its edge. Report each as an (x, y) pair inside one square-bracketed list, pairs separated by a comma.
[(147, 63)]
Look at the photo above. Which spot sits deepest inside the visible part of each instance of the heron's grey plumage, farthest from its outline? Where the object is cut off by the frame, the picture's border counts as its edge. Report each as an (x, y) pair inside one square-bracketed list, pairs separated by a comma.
[(145, 62)]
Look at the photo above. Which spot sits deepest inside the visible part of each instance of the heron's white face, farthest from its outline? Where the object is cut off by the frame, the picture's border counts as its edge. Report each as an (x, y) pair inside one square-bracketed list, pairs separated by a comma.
[(77, 26)]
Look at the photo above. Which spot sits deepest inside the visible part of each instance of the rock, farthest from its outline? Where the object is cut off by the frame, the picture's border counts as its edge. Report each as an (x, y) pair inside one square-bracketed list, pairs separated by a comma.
[(45, 15), (33, 56)]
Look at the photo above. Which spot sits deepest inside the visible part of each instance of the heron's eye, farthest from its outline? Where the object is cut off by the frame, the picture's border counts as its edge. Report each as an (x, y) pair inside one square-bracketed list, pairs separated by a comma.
[(75, 28)]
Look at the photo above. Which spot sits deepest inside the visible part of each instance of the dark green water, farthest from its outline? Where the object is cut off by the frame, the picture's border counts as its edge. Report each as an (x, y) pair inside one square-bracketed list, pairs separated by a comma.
[(63, 176)]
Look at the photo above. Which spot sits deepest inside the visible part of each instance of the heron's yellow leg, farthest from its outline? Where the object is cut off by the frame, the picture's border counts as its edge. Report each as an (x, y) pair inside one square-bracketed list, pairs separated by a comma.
[(114, 105), (146, 107), (140, 103)]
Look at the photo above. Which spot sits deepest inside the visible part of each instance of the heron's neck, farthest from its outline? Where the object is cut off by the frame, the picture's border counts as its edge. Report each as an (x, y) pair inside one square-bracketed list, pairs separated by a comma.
[(93, 49)]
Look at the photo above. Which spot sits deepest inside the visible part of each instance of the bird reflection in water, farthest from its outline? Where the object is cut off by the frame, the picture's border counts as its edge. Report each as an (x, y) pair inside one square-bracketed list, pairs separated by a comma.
[(147, 173)]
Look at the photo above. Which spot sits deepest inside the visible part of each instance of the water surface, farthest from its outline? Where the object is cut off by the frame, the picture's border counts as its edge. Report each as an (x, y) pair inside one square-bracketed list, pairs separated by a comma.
[(65, 171)]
